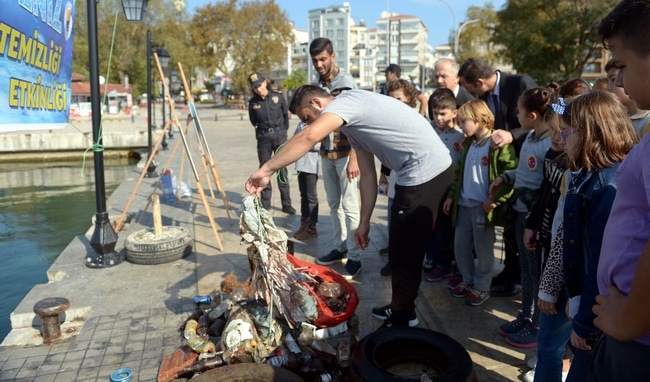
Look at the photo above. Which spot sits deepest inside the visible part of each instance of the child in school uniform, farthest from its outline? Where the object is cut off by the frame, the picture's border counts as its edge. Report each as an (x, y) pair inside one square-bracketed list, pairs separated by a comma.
[(475, 213), (439, 256), (534, 113)]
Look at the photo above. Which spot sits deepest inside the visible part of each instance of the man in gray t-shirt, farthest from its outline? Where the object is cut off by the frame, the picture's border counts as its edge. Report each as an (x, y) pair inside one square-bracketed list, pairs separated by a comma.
[(404, 141)]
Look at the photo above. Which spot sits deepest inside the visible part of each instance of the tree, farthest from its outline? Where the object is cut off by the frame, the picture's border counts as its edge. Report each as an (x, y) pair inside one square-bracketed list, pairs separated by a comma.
[(550, 40), (238, 38), (296, 79), (127, 49)]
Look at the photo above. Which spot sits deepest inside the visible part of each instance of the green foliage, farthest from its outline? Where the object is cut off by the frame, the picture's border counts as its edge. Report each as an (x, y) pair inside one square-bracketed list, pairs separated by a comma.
[(296, 79), (239, 37), (550, 40), (128, 55)]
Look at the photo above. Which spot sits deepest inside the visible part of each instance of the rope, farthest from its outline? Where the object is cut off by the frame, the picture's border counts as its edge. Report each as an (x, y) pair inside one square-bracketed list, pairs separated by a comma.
[(96, 147), (278, 174)]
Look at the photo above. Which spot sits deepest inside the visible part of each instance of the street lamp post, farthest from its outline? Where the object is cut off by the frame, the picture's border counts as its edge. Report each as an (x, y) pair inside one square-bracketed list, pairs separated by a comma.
[(164, 60), (104, 237), (457, 35)]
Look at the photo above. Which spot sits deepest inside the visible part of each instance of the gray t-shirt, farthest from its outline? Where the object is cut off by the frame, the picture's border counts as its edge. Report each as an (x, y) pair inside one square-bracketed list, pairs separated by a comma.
[(342, 80), (398, 136)]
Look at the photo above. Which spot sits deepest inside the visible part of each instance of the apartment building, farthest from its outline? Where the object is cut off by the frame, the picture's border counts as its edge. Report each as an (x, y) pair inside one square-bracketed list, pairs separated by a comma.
[(402, 40)]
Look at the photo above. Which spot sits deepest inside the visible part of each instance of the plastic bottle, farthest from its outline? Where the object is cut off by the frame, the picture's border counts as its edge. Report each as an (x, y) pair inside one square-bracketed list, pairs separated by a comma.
[(291, 344), (381, 189), (168, 187), (283, 358), (190, 329), (343, 352)]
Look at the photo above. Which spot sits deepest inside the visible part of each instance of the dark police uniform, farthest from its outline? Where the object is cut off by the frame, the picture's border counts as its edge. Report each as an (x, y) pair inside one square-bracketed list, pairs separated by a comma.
[(270, 118)]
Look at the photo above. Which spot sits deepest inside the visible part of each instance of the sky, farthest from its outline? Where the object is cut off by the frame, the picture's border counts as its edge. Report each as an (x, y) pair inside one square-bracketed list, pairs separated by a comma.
[(435, 14)]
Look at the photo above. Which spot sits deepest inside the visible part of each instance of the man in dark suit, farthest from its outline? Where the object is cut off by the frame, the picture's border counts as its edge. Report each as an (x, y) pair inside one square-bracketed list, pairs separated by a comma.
[(446, 73), (501, 91)]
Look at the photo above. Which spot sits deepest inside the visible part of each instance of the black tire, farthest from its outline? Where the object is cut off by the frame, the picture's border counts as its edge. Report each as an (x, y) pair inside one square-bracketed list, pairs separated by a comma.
[(142, 247), (247, 372), (404, 354)]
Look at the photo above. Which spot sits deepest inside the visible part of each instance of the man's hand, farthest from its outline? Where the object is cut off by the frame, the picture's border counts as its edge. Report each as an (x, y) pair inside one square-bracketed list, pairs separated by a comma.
[(257, 181), (361, 236), (501, 138), (353, 169)]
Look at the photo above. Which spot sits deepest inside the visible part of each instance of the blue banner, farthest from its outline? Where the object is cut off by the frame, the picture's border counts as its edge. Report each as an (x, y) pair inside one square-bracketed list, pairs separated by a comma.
[(35, 63)]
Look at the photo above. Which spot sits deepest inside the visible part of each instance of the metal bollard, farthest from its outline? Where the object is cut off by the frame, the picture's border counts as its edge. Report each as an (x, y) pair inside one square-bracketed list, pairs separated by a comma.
[(48, 310), (216, 117)]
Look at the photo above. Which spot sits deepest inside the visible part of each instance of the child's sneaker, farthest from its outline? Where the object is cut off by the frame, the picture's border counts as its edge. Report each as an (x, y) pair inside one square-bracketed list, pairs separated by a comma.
[(455, 280), (438, 273), (428, 265), (462, 290), (515, 325), (477, 297), (525, 338)]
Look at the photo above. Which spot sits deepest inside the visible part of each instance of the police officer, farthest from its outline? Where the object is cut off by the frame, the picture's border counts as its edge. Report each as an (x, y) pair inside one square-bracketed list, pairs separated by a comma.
[(269, 114)]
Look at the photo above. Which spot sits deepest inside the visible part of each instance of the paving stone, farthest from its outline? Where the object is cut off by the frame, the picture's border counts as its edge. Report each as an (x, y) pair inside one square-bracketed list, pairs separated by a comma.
[(66, 376), (45, 378)]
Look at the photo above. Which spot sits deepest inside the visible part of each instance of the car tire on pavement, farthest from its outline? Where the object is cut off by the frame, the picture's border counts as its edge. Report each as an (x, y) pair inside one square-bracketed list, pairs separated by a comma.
[(404, 354), (143, 247)]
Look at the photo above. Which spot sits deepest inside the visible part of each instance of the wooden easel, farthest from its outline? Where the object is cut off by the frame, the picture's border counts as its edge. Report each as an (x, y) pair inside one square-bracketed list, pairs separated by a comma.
[(120, 223), (204, 149)]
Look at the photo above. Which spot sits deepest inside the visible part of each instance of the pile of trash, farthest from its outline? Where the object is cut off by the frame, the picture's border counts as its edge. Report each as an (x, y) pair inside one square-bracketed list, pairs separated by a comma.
[(289, 313)]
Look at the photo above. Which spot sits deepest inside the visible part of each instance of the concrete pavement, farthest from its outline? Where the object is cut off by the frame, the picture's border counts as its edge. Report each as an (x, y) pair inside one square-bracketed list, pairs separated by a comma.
[(128, 315)]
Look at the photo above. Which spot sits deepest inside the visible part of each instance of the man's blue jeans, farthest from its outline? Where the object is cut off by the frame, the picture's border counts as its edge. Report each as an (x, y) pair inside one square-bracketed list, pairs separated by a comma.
[(554, 333)]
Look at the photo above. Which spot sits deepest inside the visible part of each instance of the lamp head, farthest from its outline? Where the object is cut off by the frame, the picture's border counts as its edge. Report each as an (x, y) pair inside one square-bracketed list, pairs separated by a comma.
[(134, 9)]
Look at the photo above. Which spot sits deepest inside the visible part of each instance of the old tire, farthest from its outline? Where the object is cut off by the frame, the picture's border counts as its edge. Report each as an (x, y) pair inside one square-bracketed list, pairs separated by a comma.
[(247, 372), (143, 247), (404, 354)]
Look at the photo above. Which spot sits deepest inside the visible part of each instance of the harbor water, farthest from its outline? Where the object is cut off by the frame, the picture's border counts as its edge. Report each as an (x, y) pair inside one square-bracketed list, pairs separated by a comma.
[(42, 208)]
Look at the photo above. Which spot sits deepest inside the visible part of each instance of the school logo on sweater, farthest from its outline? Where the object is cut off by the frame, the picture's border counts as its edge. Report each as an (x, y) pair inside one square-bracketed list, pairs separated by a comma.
[(484, 161), (532, 162), (458, 147)]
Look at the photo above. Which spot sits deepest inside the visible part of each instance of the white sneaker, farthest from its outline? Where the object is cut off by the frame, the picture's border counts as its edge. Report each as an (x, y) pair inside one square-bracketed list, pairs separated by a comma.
[(529, 376), (532, 362)]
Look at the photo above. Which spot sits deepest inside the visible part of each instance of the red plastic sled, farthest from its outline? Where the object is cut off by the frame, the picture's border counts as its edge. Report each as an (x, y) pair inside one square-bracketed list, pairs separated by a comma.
[(327, 318)]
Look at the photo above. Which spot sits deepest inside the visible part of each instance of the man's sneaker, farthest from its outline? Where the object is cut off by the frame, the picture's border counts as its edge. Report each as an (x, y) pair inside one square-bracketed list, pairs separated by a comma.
[(288, 210), (384, 251), (428, 265), (455, 280), (385, 270), (462, 290), (333, 257), (438, 273), (477, 297), (532, 362), (385, 312), (515, 325), (352, 269), (525, 338)]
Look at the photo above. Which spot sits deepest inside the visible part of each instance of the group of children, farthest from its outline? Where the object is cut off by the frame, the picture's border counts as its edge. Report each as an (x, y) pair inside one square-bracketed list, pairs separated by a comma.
[(558, 193)]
